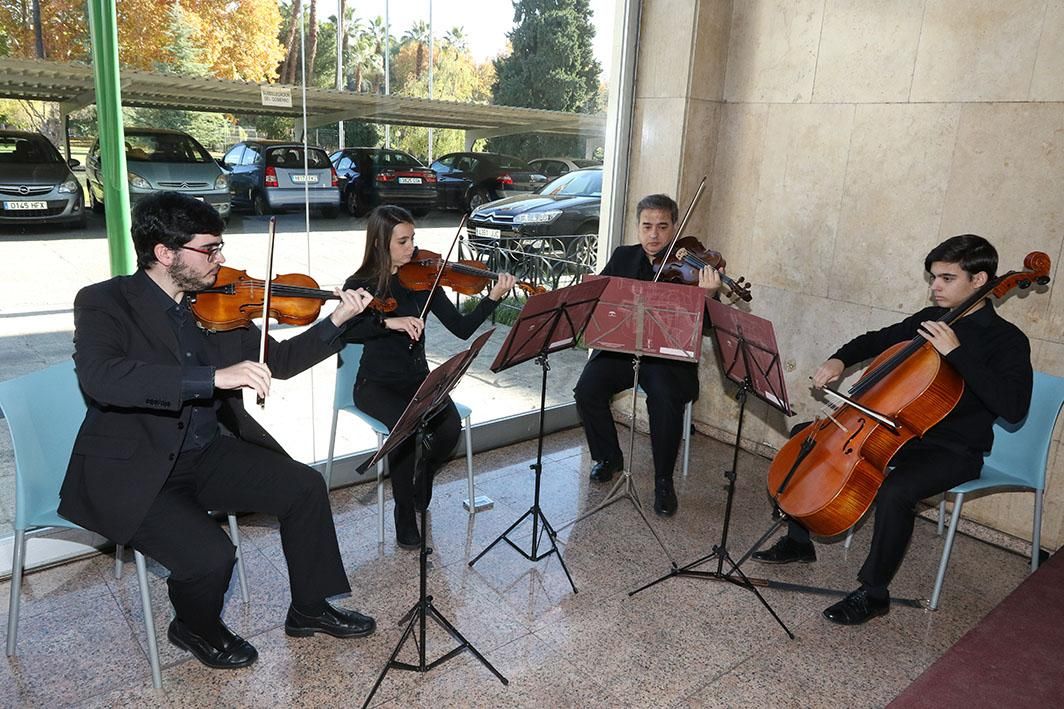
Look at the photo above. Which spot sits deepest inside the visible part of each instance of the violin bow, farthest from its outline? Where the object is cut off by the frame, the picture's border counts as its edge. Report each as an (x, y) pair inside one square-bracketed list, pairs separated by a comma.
[(261, 400), (683, 223), (439, 273)]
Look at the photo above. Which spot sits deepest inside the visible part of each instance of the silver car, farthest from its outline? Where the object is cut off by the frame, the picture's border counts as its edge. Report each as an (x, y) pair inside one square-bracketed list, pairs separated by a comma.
[(159, 160), (36, 184), (267, 176)]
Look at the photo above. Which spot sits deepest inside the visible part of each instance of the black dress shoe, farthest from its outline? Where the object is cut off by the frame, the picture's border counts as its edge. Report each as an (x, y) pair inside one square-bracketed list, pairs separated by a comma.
[(234, 652), (857, 608), (602, 472), (665, 499), (337, 622), (786, 551), (406, 534)]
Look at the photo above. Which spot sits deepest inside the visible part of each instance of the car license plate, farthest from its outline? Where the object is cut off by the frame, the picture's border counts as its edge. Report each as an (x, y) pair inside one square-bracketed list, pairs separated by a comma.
[(309, 179), (409, 180), (18, 206), (488, 233)]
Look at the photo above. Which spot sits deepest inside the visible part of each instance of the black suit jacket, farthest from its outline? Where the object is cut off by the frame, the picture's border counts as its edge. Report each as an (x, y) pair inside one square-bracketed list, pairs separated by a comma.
[(631, 262), (128, 364)]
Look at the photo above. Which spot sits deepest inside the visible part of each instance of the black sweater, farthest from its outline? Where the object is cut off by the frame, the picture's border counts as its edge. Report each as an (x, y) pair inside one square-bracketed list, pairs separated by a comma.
[(387, 355), (994, 359)]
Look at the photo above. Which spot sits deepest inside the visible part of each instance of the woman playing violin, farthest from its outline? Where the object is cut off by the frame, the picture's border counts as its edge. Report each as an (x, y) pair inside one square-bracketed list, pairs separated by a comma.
[(991, 355), (393, 361), (669, 384)]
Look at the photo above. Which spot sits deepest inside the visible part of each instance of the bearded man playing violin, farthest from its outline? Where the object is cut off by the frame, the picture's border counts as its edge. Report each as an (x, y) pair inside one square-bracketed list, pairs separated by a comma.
[(991, 355), (669, 384), (166, 437)]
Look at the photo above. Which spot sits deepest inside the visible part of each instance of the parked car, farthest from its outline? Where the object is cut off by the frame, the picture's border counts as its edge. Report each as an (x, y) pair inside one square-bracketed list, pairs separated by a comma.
[(269, 175), (468, 180), (555, 167), (372, 176), (162, 160), (36, 184), (566, 212)]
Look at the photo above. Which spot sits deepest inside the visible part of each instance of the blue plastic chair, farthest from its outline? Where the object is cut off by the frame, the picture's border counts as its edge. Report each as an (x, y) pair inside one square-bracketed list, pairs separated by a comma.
[(344, 400), (44, 411), (1017, 461)]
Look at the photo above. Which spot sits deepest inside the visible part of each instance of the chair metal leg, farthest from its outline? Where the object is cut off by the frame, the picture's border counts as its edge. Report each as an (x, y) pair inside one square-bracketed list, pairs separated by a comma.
[(234, 534), (332, 450), (687, 415), (958, 502), (149, 619), (849, 539), (119, 553), (468, 426), (1036, 532), (380, 492), (941, 514), (18, 560)]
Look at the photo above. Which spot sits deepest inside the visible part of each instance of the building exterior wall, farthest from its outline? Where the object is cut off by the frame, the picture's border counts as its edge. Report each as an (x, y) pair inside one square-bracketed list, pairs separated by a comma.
[(842, 140)]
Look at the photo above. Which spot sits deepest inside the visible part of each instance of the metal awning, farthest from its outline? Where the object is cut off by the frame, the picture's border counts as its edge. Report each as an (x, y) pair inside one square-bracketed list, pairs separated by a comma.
[(71, 85)]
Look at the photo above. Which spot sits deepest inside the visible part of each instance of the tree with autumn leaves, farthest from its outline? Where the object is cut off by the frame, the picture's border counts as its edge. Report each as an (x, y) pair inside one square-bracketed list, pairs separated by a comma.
[(236, 39)]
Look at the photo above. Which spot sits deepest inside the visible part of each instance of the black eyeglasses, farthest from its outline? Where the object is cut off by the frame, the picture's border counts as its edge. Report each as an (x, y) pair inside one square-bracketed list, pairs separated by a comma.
[(211, 252)]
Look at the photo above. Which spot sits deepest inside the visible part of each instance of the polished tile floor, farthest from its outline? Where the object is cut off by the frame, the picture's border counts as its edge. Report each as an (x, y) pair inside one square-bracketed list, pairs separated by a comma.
[(682, 643)]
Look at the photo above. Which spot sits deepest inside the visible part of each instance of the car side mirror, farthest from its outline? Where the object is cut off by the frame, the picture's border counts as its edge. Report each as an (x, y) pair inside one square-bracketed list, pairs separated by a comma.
[(73, 162), (222, 164)]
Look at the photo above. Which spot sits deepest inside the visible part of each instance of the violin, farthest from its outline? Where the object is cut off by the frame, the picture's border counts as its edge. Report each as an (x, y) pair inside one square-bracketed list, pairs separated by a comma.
[(688, 259), (467, 277), (827, 475), (236, 299)]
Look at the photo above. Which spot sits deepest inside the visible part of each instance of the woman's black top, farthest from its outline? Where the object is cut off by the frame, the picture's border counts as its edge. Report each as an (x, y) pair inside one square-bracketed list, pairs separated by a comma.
[(387, 355)]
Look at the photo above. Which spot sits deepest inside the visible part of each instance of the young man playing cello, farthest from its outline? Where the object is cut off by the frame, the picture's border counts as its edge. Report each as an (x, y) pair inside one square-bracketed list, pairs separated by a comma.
[(669, 384), (151, 457), (992, 356)]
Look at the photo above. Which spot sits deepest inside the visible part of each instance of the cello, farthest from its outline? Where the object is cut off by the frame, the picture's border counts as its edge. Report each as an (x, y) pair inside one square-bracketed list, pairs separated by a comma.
[(827, 475)]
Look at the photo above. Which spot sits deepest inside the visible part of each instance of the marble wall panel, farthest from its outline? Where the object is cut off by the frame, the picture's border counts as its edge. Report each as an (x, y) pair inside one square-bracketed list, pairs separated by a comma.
[(977, 50), (867, 50), (709, 58), (665, 48), (736, 176), (802, 175), (702, 126), (1048, 81), (1006, 184), (772, 50), (899, 166), (656, 153)]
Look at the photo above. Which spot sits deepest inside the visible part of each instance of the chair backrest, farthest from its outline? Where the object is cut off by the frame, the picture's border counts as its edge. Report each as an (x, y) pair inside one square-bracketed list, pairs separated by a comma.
[(1022, 449), (44, 410), (346, 372)]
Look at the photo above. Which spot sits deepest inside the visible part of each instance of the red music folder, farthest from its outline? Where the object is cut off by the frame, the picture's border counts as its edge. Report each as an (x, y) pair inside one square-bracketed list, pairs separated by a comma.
[(647, 318)]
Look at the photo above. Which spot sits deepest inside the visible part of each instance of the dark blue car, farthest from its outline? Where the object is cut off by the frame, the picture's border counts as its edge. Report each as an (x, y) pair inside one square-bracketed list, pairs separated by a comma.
[(372, 176)]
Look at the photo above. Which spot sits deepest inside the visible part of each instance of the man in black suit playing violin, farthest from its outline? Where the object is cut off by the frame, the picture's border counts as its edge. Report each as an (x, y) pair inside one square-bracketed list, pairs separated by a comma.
[(151, 457), (669, 384), (992, 356)]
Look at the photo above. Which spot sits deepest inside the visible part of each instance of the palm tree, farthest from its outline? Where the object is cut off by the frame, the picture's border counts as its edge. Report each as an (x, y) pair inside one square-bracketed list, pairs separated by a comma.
[(457, 38), (419, 34)]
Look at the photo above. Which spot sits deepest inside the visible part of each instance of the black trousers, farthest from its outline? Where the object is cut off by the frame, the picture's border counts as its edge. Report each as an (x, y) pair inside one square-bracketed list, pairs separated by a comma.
[(231, 475), (919, 470), (669, 385), (386, 403)]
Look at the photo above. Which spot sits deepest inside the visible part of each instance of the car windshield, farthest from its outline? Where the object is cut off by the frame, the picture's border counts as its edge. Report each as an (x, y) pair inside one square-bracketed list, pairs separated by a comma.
[(164, 147), (393, 158), (579, 183), (19, 150), (291, 158), (587, 163), (509, 162)]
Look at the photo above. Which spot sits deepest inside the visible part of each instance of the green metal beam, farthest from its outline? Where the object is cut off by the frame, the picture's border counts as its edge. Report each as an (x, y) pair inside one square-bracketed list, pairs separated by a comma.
[(103, 29)]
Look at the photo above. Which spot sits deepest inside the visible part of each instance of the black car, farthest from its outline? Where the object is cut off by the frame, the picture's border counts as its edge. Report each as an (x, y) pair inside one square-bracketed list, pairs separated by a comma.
[(562, 217), (468, 180), (36, 184), (372, 176)]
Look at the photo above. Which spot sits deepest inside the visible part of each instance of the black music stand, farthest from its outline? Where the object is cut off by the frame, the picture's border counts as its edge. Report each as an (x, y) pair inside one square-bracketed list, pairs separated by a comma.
[(430, 397), (549, 322), (643, 318), (746, 349)]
